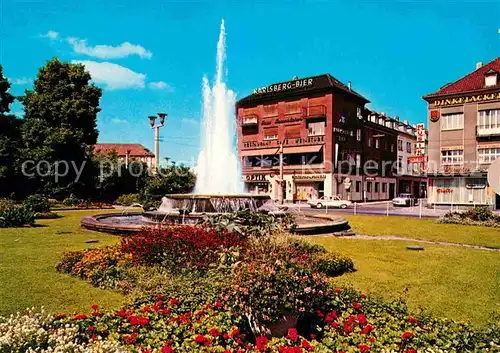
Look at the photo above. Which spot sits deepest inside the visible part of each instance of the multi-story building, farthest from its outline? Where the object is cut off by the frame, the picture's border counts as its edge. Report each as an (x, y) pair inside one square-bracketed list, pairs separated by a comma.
[(127, 152), (327, 141), (464, 137)]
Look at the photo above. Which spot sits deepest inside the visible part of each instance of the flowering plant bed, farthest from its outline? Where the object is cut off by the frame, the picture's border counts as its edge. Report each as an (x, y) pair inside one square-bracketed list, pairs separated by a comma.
[(475, 216)]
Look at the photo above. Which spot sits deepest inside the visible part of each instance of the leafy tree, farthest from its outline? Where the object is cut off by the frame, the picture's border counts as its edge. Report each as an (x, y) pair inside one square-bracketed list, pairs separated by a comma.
[(9, 139), (60, 126)]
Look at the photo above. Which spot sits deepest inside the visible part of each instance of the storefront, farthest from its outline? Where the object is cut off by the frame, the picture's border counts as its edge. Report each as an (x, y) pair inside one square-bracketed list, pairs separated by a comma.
[(412, 185), (468, 190), (303, 187), (257, 184)]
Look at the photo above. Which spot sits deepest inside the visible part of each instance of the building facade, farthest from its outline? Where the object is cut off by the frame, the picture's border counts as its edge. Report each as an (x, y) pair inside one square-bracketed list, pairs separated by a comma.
[(127, 152), (326, 140), (464, 138)]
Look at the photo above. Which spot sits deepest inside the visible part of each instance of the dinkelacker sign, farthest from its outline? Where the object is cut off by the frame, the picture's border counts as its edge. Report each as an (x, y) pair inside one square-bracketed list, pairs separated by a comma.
[(467, 99), (285, 86)]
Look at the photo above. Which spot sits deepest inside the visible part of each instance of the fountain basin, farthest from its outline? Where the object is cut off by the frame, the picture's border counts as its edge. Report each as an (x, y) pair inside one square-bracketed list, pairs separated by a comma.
[(128, 223)]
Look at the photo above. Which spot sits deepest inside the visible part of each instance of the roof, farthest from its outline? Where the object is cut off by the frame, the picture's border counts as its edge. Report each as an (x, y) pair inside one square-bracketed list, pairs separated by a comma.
[(473, 81), (324, 82), (136, 150)]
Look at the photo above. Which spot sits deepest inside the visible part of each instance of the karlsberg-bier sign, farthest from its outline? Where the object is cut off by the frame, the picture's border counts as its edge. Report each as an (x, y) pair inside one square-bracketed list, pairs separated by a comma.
[(285, 86)]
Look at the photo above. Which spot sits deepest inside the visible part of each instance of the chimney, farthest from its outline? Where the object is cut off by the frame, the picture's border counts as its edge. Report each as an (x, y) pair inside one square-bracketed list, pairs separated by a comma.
[(479, 65), (349, 85)]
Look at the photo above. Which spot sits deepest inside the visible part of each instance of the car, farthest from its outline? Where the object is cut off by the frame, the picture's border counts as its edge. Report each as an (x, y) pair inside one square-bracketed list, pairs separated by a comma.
[(405, 200), (325, 201)]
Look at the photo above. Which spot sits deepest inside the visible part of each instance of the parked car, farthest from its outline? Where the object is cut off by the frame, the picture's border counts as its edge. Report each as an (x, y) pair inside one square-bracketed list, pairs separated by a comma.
[(405, 200), (326, 201)]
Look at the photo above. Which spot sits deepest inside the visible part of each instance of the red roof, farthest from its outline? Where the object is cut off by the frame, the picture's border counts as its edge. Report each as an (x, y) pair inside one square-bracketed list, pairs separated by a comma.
[(134, 149), (471, 82)]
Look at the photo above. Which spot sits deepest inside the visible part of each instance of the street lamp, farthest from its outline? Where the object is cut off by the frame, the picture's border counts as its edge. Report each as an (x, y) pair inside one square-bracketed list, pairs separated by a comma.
[(156, 128)]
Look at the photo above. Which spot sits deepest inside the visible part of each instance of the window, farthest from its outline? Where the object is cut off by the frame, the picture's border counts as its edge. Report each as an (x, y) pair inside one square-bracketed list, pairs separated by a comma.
[(292, 107), (358, 186), (452, 157), (452, 121), (358, 135), (270, 110), (369, 186), (370, 141), (409, 167), (392, 147), (376, 187), (384, 187), (377, 143), (488, 119), (490, 79), (487, 155), (400, 145), (400, 164), (292, 131), (358, 160), (316, 128), (408, 147), (271, 133), (270, 137)]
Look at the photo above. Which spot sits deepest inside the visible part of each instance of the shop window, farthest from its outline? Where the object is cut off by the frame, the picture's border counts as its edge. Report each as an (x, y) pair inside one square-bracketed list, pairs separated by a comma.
[(358, 135), (316, 128), (358, 186), (376, 187), (408, 147), (400, 145), (453, 157), (384, 187), (489, 119), (453, 121), (377, 143), (487, 155)]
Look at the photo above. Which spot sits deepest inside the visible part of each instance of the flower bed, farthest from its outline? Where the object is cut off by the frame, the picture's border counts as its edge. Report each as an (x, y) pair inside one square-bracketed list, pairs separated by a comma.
[(475, 216)]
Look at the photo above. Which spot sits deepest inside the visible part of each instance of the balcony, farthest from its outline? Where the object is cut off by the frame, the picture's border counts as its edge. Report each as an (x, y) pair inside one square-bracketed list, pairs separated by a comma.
[(487, 131), (250, 120), (314, 111)]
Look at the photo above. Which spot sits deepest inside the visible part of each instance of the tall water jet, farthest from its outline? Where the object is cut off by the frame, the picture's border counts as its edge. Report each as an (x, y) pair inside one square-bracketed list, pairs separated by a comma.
[(218, 168)]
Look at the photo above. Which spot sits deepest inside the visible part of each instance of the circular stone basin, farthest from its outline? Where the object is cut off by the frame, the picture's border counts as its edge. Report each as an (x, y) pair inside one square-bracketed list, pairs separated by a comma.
[(132, 222)]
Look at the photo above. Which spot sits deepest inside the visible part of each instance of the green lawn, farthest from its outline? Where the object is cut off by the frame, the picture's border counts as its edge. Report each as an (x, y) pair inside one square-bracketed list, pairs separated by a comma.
[(458, 283), (27, 267), (426, 229)]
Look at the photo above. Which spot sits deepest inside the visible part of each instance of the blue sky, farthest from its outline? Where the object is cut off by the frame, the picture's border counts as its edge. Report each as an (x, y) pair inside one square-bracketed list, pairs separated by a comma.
[(150, 56)]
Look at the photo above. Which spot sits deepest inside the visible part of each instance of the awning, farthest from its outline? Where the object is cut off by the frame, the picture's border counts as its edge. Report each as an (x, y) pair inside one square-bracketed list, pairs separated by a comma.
[(302, 149), (286, 150)]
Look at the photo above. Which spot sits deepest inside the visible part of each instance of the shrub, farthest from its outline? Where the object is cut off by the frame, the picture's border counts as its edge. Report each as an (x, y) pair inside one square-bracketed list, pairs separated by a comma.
[(331, 264), (37, 203), (47, 215), (103, 267), (180, 246), (71, 201), (6, 203), (16, 216), (127, 199), (477, 216)]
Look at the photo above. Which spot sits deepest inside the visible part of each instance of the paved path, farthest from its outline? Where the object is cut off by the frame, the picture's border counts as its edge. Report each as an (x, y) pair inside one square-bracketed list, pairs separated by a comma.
[(392, 237)]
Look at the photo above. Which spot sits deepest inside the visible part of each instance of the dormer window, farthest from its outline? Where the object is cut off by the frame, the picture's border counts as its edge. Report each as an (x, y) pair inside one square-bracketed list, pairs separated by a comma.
[(491, 78)]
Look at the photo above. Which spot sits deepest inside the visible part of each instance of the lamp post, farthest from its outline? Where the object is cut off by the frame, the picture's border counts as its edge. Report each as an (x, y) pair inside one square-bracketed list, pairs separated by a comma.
[(156, 128)]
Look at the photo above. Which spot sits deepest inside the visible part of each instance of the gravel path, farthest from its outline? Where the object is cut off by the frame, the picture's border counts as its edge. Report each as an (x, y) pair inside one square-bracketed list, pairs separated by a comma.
[(392, 237)]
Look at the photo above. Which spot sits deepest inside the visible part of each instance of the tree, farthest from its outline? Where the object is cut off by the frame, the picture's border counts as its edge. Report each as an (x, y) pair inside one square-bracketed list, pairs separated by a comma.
[(9, 139), (59, 129)]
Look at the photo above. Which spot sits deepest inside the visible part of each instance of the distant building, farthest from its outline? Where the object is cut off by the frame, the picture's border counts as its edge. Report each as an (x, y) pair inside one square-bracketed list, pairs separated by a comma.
[(127, 152), (464, 137)]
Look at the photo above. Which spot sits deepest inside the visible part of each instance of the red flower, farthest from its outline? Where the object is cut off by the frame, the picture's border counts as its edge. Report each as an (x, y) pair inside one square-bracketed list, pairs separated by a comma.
[(412, 320), (337, 290), (200, 339), (174, 302), (122, 313), (167, 349), (235, 333), (79, 317), (292, 334), (372, 339), (356, 306), (363, 348), (214, 332), (411, 350), (143, 321), (225, 336), (362, 319), (59, 316), (95, 307), (347, 328), (305, 344), (218, 305), (130, 339), (145, 309), (367, 329), (134, 320), (261, 343), (406, 336)]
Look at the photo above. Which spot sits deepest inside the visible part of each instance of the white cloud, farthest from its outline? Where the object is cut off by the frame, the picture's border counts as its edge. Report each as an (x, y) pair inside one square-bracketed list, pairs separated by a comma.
[(161, 85), (124, 50), (119, 121), (499, 31), (52, 35), (190, 121), (21, 81), (113, 76)]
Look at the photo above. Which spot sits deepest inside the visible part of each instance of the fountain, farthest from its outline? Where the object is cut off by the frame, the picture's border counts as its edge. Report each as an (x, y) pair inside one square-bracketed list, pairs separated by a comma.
[(219, 186)]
